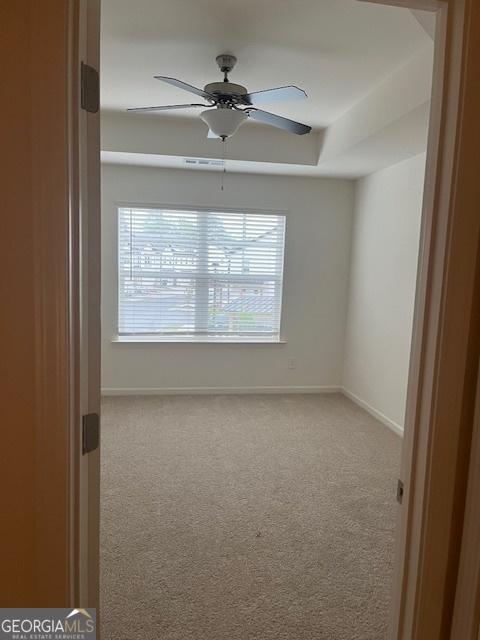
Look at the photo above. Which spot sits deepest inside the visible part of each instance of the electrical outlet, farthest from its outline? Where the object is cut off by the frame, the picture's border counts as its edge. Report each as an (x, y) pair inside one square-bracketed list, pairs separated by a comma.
[(292, 363)]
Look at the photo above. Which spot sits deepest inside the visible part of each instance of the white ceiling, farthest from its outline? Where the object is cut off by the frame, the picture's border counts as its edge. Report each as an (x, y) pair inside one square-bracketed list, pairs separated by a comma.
[(340, 51), (337, 50)]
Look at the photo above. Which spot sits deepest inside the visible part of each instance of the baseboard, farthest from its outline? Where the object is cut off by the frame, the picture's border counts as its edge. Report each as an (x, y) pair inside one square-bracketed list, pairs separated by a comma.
[(396, 428), (170, 391)]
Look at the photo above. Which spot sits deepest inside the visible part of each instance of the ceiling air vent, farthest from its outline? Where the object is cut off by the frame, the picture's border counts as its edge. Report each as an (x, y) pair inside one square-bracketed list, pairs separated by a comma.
[(203, 163)]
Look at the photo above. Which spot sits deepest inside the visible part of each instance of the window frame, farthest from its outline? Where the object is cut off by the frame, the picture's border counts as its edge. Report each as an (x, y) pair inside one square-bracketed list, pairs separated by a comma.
[(205, 338)]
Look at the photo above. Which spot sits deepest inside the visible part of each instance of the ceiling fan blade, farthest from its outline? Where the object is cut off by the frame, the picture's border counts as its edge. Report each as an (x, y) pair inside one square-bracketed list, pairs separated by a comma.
[(168, 107), (186, 87), (280, 122), (212, 135), (275, 95)]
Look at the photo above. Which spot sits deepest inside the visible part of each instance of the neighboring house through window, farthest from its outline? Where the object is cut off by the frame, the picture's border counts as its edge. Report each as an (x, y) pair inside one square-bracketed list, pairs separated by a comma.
[(199, 274)]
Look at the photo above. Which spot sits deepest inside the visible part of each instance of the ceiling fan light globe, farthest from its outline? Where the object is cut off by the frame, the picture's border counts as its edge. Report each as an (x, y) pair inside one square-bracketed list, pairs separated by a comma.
[(223, 122)]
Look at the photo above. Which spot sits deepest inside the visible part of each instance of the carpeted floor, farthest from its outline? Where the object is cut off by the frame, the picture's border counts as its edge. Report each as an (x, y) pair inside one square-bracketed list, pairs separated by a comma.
[(246, 518)]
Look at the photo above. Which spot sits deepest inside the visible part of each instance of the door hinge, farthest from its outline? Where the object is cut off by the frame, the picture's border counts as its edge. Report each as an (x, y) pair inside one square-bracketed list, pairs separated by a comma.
[(90, 89), (90, 432), (400, 491)]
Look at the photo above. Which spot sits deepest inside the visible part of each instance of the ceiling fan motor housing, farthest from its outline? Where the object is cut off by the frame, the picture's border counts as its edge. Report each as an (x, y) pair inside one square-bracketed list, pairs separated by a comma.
[(226, 91)]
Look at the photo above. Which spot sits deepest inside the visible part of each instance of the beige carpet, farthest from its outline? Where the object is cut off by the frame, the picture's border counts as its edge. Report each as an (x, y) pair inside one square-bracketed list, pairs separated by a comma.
[(246, 518)]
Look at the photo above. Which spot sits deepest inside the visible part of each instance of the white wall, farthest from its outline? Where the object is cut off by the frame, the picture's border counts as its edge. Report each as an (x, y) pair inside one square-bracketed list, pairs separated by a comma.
[(385, 242), (315, 283)]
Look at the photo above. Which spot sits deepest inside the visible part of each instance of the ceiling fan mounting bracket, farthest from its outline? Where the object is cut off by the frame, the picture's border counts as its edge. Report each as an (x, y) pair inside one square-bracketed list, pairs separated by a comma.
[(226, 62)]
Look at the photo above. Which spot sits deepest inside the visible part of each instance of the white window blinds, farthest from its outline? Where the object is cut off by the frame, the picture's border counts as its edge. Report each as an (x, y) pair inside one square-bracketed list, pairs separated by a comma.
[(197, 273)]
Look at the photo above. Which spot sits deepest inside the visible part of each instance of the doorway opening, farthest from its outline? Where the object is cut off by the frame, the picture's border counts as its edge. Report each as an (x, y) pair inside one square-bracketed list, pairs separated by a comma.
[(256, 338)]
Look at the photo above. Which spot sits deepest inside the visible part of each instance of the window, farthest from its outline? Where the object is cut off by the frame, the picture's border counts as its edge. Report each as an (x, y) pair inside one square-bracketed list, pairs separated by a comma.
[(200, 275)]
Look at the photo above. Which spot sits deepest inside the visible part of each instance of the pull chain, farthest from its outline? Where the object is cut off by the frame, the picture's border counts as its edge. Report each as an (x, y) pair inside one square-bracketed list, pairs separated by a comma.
[(224, 151), (131, 247)]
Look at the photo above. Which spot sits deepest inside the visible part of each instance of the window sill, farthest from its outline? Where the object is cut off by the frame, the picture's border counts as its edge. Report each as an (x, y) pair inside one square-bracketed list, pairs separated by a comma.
[(196, 340)]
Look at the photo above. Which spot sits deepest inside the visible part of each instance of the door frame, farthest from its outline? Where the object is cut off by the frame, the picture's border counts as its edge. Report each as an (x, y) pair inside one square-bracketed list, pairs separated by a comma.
[(85, 200), (78, 295), (445, 347), (445, 344), (466, 615)]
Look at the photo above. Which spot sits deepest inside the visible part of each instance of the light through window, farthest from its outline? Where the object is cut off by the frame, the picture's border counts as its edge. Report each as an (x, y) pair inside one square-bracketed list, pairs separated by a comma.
[(199, 274)]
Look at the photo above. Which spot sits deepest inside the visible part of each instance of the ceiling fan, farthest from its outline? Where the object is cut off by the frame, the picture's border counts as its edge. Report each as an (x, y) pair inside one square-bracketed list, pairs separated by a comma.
[(229, 105)]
